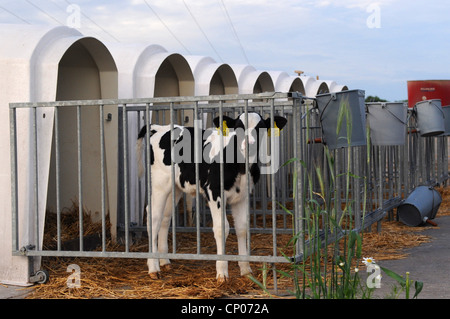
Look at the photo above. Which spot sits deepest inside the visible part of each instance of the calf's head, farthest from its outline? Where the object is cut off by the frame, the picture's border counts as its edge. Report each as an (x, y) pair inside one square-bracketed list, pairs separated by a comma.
[(257, 131)]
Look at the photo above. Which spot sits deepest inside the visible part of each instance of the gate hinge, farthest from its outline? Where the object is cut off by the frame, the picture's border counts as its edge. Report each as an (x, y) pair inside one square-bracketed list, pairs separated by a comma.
[(24, 249)]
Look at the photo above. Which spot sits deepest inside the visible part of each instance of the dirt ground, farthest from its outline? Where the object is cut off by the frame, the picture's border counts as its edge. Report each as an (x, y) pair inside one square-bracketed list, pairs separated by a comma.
[(124, 278)]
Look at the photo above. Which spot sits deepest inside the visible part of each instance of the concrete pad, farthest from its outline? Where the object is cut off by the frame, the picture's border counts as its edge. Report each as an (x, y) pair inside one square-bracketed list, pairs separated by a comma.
[(429, 263), (13, 292)]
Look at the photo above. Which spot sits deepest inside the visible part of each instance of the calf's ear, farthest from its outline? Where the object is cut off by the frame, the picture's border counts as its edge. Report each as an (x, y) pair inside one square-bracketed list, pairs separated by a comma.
[(227, 120), (279, 121)]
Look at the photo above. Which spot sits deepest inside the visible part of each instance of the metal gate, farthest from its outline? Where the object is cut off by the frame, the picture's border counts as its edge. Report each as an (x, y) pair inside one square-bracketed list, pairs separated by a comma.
[(276, 205)]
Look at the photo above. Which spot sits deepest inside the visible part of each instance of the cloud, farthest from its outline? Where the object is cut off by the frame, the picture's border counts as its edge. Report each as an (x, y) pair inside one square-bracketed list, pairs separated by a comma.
[(330, 38), (351, 4)]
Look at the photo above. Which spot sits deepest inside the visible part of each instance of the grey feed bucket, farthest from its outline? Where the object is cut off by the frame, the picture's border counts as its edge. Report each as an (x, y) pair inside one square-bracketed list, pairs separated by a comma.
[(420, 206), (330, 107), (446, 110), (387, 122), (430, 117)]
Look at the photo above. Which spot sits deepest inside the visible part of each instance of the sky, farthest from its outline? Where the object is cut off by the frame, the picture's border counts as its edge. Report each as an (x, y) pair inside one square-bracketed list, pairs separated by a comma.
[(376, 46)]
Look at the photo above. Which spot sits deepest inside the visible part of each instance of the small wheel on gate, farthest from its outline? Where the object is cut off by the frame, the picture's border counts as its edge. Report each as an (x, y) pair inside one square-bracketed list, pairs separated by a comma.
[(43, 276)]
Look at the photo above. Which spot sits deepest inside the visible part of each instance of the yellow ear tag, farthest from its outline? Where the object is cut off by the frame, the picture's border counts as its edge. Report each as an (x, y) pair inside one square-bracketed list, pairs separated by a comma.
[(225, 128), (276, 130)]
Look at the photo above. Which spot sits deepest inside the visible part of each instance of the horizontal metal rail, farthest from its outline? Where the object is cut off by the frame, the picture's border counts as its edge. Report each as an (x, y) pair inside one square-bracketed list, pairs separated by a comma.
[(145, 255), (162, 100)]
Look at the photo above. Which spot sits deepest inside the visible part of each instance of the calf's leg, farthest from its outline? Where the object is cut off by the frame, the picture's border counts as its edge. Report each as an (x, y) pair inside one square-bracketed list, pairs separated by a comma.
[(154, 220), (221, 230), (241, 226), (164, 230)]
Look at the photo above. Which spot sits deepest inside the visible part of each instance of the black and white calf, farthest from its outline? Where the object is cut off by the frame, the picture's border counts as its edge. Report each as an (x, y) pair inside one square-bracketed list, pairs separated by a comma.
[(235, 179)]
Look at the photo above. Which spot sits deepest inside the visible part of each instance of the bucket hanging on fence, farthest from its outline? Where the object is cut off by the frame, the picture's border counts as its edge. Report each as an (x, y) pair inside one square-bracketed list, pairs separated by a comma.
[(420, 207), (430, 117), (334, 121), (446, 110), (387, 122)]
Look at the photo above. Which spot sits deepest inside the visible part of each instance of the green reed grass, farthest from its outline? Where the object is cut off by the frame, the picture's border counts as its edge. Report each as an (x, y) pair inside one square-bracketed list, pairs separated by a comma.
[(332, 247)]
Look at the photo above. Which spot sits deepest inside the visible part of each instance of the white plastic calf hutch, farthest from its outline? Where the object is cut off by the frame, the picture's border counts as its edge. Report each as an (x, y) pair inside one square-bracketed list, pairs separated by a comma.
[(212, 78), (317, 87), (251, 80), (47, 64), (286, 83), (144, 71)]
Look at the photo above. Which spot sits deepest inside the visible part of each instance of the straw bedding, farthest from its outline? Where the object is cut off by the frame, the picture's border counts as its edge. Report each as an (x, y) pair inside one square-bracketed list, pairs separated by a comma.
[(127, 278)]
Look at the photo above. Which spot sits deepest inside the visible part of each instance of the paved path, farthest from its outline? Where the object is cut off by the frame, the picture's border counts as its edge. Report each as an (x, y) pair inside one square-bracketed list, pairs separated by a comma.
[(429, 263), (12, 292)]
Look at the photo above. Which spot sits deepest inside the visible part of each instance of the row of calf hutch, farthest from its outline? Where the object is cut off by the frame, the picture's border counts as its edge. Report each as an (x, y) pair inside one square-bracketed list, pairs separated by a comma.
[(79, 144)]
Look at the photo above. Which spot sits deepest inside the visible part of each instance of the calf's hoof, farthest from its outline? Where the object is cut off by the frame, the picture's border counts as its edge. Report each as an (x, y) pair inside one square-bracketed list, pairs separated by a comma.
[(246, 273), (166, 267), (154, 275), (221, 279)]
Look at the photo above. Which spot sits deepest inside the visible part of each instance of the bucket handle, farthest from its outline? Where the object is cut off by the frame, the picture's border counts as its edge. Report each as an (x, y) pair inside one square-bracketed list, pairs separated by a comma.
[(310, 110), (384, 106), (332, 98), (439, 108)]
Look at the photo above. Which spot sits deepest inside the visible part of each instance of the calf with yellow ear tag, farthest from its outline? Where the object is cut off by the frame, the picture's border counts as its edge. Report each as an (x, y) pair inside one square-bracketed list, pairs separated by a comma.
[(226, 123), (222, 177), (225, 129)]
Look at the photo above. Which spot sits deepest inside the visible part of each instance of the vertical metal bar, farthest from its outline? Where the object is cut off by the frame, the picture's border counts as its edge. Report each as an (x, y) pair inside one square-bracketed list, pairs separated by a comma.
[(337, 174), (445, 168), (125, 175), (174, 204), (283, 174), (357, 192), (265, 191), (273, 143), (441, 154), (421, 156), (14, 179), (434, 166), (223, 203), (430, 168), (438, 159), (58, 179), (406, 166), (380, 176), (140, 208), (149, 175), (272, 179), (36, 178), (298, 186), (80, 174), (400, 169), (369, 173), (197, 158), (102, 174), (247, 170), (264, 195), (391, 167)]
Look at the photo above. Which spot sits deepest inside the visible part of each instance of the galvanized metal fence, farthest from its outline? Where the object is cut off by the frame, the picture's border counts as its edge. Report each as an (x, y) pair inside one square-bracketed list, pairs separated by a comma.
[(381, 176)]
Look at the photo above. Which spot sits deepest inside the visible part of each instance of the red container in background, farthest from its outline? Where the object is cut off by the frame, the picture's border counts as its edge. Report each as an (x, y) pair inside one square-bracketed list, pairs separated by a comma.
[(428, 90)]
